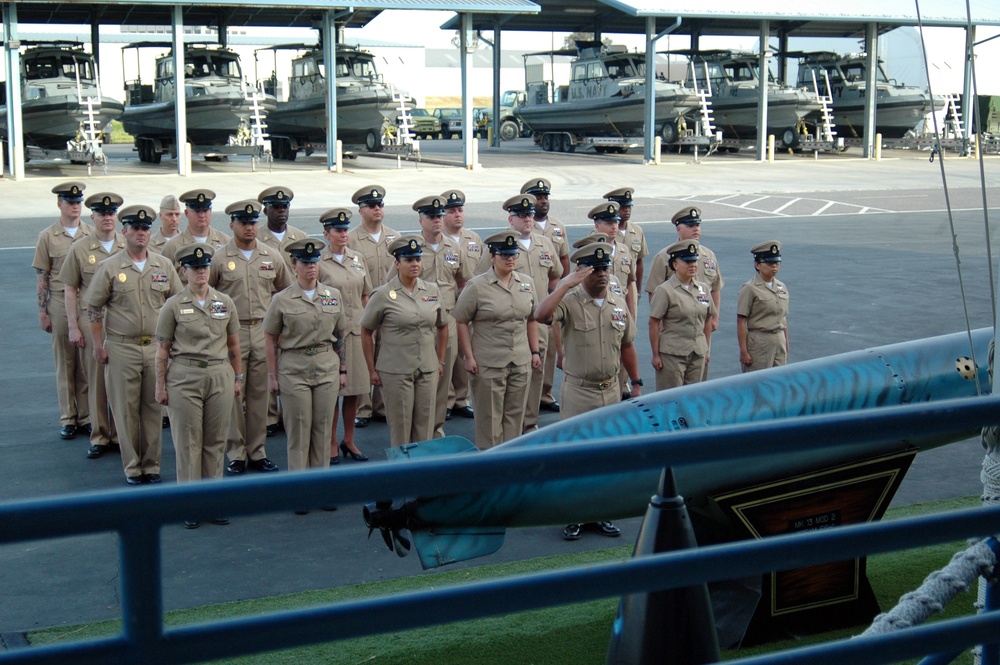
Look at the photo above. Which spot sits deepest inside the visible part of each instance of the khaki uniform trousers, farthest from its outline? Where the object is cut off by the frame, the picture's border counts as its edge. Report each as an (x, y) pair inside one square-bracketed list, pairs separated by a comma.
[(131, 382), (309, 387), (458, 392), (409, 400), (581, 396), (500, 394), (102, 425), (370, 404), (767, 349), (444, 384), (201, 401), (535, 381), (248, 425), (550, 368), (680, 370), (71, 373)]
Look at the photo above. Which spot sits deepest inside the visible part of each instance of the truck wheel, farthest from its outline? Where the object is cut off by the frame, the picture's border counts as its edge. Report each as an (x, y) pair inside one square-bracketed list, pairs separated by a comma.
[(372, 142), (509, 130), (154, 156), (445, 132), (789, 138), (669, 131), (567, 144), (547, 142)]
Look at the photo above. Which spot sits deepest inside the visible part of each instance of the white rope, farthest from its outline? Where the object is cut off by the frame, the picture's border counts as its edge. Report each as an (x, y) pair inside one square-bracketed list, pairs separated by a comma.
[(937, 590)]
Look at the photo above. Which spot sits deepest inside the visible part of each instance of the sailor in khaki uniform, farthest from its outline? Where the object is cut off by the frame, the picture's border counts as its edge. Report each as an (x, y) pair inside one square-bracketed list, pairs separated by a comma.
[(502, 348), (408, 313), (305, 327), (123, 302), (555, 231), (198, 370), (170, 223), (688, 223), (371, 239), (198, 211), (630, 233), (443, 264), (597, 338), (344, 269), (277, 233), (249, 272), (50, 252), (471, 246), (538, 260), (680, 320), (77, 271), (761, 312), (605, 218)]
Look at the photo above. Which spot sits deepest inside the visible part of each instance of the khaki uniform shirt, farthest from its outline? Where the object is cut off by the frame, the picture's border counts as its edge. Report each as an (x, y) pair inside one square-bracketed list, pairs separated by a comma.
[(498, 316), (635, 240), (376, 254), (555, 231), (764, 306), (540, 263), (471, 246), (682, 315), (216, 239), (708, 270), (443, 266), (157, 242), (81, 263), (51, 250), (303, 323), (133, 297), (250, 283), (593, 334), (350, 277), (196, 331), (623, 263), (407, 323), (266, 236)]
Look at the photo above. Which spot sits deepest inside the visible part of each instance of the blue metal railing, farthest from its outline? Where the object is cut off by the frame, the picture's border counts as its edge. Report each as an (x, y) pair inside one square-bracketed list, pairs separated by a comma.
[(138, 520)]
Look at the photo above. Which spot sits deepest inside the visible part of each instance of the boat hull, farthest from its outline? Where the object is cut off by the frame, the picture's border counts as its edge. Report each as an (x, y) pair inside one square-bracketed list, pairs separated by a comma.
[(736, 117), (357, 115), (895, 115), (611, 116), (49, 123), (211, 119)]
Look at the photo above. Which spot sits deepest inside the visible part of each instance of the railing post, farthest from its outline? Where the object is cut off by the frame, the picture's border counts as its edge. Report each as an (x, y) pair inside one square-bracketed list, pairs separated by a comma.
[(142, 591)]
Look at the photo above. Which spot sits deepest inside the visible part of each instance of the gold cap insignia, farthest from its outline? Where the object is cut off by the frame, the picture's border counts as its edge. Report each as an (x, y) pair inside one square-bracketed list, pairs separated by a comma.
[(692, 249), (280, 195), (199, 252), (201, 197), (74, 190), (599, 253), (310, 248), (413, 244), (141, 216), (106, 201), (249, 209)]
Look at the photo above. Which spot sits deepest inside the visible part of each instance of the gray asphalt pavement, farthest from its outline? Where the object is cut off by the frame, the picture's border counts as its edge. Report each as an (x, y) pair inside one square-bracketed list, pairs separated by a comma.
[(868, 261)]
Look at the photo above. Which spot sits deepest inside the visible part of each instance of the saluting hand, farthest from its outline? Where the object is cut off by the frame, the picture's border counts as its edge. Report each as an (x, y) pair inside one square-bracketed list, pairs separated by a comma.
[(575, 278)]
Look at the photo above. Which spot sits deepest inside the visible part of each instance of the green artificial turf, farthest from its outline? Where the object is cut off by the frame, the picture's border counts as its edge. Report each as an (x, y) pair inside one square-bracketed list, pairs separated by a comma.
[(576, 634)]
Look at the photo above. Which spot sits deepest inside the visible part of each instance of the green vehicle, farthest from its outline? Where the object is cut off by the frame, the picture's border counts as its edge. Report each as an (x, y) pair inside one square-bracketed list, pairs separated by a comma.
[(424, 124), (511, 126)]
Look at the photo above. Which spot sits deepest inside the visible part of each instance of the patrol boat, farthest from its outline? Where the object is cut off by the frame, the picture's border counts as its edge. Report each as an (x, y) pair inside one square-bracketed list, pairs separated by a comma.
[(732, 79), (606, 96), (219, 103), (363, 101), (842, 77), (61, 102)]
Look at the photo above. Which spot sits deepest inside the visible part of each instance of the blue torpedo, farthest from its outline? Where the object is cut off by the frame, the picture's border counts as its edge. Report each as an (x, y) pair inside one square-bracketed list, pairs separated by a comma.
[(453, 528)]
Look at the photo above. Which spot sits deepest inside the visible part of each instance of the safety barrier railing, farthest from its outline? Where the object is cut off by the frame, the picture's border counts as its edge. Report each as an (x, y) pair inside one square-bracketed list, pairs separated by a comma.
[(137, 519)]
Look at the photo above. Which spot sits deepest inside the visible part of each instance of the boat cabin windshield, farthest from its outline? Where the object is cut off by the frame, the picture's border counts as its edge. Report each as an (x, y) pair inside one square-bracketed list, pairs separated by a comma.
[(57, 65), (612, 68), (207, 63), (307, 66), (355, 67)]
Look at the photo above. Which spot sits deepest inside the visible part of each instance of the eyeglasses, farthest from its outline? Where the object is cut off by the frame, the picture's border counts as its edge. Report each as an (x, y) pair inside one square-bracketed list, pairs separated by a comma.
[(522, 215), (374, 204), (508, 255)]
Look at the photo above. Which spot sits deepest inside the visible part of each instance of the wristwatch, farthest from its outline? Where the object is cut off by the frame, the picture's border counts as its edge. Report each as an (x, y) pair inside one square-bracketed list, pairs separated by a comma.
[(536, 353), (636, 382), (239, 377)]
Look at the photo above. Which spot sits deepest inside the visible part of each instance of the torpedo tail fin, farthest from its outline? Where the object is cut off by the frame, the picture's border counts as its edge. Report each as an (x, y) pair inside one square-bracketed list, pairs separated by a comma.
[(449, 445), (441, 546)]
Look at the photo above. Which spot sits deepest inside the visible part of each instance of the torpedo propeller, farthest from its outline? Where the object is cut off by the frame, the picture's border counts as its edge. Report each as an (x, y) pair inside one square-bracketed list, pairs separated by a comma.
[(389, 517)]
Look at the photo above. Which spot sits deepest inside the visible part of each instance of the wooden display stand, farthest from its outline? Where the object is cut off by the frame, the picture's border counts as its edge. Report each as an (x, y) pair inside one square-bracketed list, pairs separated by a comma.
[(828, 596)]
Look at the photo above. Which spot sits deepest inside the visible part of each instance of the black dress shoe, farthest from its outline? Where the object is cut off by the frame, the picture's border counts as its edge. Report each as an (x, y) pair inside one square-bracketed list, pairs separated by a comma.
[(301, 512), (221, 521), (605, 529), (96, 451), (272, 430), (572, 532), (84, 430), (335, 460), (166, 425), (263, 465), (447, 414), (347, 452), (152, 478), (68, 432), (189, 524), (236, 467), (551, 406), (329, 509), (133, 480), (361, 422), (377, 418), (464, 412)]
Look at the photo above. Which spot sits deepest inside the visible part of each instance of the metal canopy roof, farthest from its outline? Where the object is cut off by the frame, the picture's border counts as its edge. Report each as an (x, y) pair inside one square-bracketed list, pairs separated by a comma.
[(844, 18), (242, 13)]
